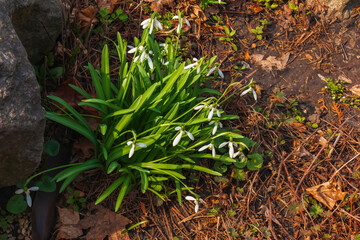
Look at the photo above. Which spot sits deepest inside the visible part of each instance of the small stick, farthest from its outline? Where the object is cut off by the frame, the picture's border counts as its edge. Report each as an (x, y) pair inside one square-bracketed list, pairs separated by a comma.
[(334, 174)]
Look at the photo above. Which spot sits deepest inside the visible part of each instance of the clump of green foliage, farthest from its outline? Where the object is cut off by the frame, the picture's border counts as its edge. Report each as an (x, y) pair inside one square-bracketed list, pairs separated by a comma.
[(155, 124), (338, 91), (270, 4), (259, 30)]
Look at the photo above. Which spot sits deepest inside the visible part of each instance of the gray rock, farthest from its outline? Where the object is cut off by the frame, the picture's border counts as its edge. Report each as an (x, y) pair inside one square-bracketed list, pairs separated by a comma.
[(38, 23), (22, 119), (337, 8)]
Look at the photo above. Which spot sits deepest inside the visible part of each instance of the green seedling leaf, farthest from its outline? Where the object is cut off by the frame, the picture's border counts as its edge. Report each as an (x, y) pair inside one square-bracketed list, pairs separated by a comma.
[(56, 72), (16, 204), (255, 162), (46, 184), (52, 148)]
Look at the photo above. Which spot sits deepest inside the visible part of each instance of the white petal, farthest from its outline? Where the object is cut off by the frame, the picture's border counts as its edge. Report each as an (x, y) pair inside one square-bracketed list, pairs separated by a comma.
[(242, 157), (198, 107), (220, 125), (255, 95), (196, 208), (213, 152), (190, 198), (219, 1), (212, 122), (177, 128), (223, 144), (214, 129), (187, 22), (198, 70), (28, 200), (145, 23), (143, 56), (137, 58), (190, 135), (132, 150), (195, 59), (19, 191), (204, 148), (133, 50), (158, 25), (34, 188), (221, 74), (177, 138), (236, 154), (151, 65), (129, 46), (231, 150), (175, 17), (190, 65), (142, 145), (151, 27), (246, 91), (129, 142), (178, 28), (218, 113), (211, 71), (211, 113)]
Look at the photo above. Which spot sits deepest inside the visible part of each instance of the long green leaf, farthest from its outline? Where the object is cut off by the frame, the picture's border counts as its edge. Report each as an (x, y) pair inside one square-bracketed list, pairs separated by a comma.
[(122, 192), (105, 72), (110, 189)]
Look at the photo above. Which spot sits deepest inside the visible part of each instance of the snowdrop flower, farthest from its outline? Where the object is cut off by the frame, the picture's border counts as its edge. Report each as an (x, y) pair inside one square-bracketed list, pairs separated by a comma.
[(144, 55), (242, 157), (209, 146), (181, 132), (216, 125), (181, 23), (133, 145), (134, 49), (221, 74), (198, 107), (27, 193), (192, 64), (211, 112), (248, 90), (153, 23), (190, 198), (231, 146)]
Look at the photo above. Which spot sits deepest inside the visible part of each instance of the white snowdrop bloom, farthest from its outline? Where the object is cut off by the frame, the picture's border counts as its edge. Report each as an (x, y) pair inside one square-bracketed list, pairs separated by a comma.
[(134, 49), (212, 110), (231, 145), (209, 146), (242, 157), (181, 23), (192, 64), (248, 90), (153, 23), (221, 74), (198, 107), (27, 193), (133, 145), (211, 71), (216, 125), (190, 198), (181, 132)]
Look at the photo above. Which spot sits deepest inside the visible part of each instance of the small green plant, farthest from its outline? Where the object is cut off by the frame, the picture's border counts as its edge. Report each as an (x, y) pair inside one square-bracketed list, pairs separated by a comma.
[(357, 237), (48, 70), (205, 3), (229, 38), (270, 4), (75, 199), (259, 30), (5, 220), (293, 6), (233, 233), (316, 210), (338, 92), (107, 18), (218, 20)]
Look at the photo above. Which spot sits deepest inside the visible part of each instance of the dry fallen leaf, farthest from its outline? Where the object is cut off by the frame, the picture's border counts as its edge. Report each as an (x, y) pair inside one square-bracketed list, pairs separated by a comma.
[(86, 16), (105, 223), (271, 62), (327, 193), (67, 229), (68, 216), (356, 90), (67, 93)]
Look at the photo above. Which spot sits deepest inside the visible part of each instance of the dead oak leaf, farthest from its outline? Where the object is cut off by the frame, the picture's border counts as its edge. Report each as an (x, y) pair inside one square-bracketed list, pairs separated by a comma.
[(271, 62), (105, 223), (327, 193), (87, 16)]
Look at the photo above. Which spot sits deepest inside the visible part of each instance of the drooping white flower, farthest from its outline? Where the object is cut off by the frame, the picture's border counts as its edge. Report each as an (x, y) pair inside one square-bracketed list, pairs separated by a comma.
[(181, 132), (143, 55), (27, 193), (153, 23), (212, 110), (221, 74), (133, 145), (198, 107), (216, 125), (248, 90), (192, 65), (181, 23), (190, 198), (231, 146), (209, 146), (134, 49)]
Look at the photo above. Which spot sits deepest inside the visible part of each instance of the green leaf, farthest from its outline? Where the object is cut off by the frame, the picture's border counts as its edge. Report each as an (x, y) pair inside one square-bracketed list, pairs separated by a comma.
[(255, 163), (144, 181), (56, 72), (16, 204), (52, 148), (222, 158), (46, 184), (110, 189), (122, 192)]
